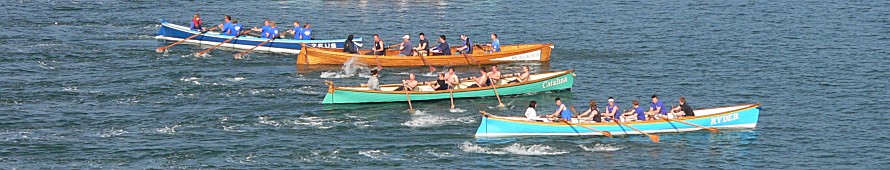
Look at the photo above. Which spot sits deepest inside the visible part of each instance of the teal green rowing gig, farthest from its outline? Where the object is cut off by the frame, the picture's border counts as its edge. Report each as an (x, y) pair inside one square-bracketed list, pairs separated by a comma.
[(550, 81)]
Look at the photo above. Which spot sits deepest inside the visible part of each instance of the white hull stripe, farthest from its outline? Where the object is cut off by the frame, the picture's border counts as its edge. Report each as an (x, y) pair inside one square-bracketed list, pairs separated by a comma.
[(232, 45), (740, 126)]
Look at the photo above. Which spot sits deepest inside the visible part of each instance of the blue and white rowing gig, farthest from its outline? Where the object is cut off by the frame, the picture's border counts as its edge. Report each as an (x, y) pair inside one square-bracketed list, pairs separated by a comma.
[(730, 117), (175, 32)]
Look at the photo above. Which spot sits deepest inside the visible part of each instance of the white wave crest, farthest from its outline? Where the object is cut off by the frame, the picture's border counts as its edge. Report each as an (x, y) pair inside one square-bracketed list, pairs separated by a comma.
[(600, 148), (421, 119), (515, 148)]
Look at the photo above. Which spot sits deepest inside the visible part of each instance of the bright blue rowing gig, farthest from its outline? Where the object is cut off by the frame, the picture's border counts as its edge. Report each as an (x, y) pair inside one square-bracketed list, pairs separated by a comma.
[(729, 117), (175, 32)]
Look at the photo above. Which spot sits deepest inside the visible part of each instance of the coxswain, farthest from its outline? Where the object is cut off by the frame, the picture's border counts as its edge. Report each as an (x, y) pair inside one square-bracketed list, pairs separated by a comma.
[(196, 23)]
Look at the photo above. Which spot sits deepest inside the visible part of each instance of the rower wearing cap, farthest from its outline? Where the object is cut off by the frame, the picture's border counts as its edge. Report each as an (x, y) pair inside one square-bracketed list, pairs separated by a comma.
[(612, 114), (196, 23), (406, 47)]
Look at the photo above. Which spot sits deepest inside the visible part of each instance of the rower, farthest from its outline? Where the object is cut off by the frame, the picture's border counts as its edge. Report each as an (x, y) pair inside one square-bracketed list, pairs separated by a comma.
[(494, 74), (592, 113), (307, 32), (236, 28), (521, 77), (273, 30), (196, 23), (452, 78), (423, 47), (349, 46), (442, 48), (468, 45), (297, 31), (532, 115), (683, 110), (264, 30), (226, 26), (405, 47), (441, 84), (408, 84), (612, 114), (561, 111), (374, 81), (482, 80), (378, 48), (495, 43), (637, 113), (657, 107)]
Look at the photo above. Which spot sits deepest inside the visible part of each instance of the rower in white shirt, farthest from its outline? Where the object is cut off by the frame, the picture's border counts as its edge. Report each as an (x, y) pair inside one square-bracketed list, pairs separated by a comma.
[(532, 115)]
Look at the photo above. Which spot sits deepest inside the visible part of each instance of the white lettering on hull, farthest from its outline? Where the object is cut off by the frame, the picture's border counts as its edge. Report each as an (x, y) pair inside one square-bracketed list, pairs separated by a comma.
[(724, 119), (530, 56), (322, 45), (554, 82)]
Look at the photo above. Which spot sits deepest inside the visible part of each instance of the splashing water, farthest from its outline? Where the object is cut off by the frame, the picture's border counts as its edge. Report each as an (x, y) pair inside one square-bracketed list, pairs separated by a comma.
[(350, 68), (515, 148), (600, 148)]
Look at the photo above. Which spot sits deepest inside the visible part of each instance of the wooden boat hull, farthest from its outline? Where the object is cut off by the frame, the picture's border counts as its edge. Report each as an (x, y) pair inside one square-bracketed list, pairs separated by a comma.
[(175, 32), (509, 53), (731, 117), (553, 81)]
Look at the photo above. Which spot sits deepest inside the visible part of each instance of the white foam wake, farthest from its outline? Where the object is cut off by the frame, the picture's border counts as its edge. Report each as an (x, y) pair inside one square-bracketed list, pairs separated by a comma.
[(421, 119), (600, 148), (515, 148)]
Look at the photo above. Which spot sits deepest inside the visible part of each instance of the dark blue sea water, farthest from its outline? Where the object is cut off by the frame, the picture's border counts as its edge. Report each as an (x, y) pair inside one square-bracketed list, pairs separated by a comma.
[(81, 86)]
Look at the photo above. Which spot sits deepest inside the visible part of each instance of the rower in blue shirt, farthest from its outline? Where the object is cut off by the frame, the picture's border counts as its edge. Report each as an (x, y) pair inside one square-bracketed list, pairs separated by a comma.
[(656, 108), (227, 26), (196, 23), (307, 32), (495, 43), (468, 45), (297, 31), (236, 28), (562, 111), (264, 31), (442, 48), (273, 30)]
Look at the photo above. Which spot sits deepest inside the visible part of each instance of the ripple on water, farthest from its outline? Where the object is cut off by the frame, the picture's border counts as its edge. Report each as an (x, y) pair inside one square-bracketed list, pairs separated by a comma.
[(421, 119)]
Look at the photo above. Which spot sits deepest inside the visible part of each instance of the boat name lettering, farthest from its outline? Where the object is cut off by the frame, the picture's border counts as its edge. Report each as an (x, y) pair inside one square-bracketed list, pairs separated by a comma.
[(323, 45), (554, 82), (724, 119), (530, 56)]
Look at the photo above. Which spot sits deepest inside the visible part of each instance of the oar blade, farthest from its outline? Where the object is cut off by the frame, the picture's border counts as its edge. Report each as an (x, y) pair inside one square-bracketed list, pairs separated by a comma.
[(607, 133), (713, 130), (432, 69), (238, 56), (160, 50), (654, 138)]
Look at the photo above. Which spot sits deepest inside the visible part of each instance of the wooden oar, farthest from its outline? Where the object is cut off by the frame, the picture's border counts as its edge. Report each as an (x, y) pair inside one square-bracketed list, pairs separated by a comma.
[(432, 69), (220, 44), (405, 87), (376, 57), (494, 86), (714, 130), (238, 56), (471, 58), (451, 92), (606, 133), (651, 136), (164, 48)]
